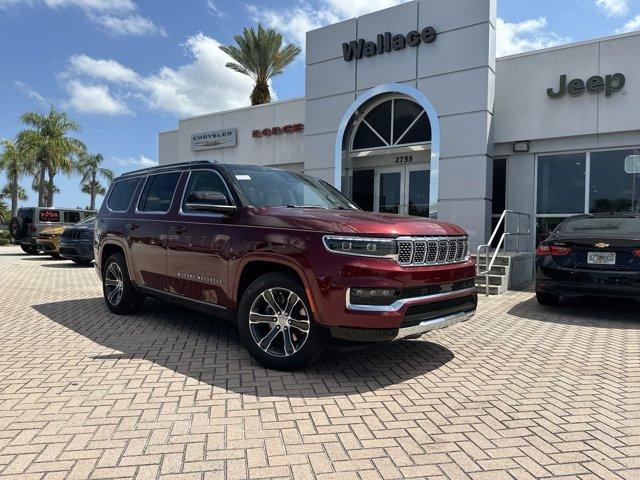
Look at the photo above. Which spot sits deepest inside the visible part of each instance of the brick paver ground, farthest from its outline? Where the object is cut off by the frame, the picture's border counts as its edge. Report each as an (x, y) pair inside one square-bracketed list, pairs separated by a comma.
[(520, 391)]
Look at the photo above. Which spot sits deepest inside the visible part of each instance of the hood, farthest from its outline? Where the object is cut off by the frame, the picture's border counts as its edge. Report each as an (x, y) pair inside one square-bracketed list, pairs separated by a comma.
[(348, 222), (53, 230)]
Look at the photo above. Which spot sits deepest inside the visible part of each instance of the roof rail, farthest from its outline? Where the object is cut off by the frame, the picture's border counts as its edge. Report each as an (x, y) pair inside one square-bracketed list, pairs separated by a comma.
[(168, 166)]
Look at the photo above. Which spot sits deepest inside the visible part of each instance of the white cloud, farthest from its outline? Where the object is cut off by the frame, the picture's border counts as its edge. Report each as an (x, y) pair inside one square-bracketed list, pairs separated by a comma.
[(31, 93), (133, 24), (96, 99), (202, 86), (215, 9), (518, 37), (108, 70), (631, 26), (118, 17), (613, 8), (141, 161)]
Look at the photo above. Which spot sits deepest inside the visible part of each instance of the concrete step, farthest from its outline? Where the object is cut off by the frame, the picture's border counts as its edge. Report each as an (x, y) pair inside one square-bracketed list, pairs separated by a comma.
[(500, 280), (497, 270), (493, 289), (501, 260)]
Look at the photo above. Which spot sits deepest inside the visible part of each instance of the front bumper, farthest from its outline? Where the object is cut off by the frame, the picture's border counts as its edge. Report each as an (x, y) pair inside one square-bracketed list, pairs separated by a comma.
[(390, 335), (77, 250), (47, 247)]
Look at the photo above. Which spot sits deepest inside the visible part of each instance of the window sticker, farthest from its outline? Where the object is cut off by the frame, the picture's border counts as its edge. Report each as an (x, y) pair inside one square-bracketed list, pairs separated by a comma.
[(243, 177)]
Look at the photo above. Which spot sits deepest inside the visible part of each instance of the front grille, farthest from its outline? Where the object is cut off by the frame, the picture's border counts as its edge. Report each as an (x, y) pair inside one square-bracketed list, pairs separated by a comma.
[(72, 234), (432, 251), (427, 311)]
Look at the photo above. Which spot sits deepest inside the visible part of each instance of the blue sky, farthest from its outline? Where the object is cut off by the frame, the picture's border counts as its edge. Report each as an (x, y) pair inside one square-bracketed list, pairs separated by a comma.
[(128, 69)]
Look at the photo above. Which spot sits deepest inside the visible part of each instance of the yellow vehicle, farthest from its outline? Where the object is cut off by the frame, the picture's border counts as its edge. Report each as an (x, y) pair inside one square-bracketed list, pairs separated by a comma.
[(48, 241)]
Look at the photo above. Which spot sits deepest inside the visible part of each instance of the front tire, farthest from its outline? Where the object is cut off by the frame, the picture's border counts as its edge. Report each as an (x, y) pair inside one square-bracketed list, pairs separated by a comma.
[(119, 294), (29, 250), (547, 299), (55, 256), (276, 324)]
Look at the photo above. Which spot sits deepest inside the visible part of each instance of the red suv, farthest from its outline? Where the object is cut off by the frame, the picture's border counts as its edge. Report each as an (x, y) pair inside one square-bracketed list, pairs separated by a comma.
[(289, 258)]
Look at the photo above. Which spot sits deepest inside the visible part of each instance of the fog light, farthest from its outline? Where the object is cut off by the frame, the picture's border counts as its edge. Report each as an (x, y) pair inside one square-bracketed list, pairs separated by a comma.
[(372, 292)]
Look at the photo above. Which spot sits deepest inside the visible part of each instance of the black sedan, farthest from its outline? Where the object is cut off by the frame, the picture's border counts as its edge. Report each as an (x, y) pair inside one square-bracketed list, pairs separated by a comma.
[(590, 255), (76, 242)]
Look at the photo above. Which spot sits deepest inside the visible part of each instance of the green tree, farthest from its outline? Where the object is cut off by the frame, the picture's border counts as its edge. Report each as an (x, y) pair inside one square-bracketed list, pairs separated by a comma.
[(261, 56), (51, 149), (15, 163), (89, 166)]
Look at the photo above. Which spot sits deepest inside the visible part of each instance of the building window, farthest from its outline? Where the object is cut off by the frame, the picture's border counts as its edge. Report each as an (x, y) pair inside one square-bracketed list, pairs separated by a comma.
[(587, 182), (612, 187), (392, 123), (561, 180)]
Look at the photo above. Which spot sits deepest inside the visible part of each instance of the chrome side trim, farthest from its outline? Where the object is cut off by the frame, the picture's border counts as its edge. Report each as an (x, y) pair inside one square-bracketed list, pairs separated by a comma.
[(398, 304), (434, 324)]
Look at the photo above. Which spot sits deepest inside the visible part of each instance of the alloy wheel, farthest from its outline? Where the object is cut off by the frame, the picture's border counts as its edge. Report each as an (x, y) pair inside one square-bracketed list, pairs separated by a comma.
[(114, 283), (279, 322)]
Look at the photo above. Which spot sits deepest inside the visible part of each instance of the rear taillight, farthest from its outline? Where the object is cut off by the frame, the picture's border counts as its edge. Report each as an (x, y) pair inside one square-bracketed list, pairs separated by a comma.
[(553, 250), (636, 252)]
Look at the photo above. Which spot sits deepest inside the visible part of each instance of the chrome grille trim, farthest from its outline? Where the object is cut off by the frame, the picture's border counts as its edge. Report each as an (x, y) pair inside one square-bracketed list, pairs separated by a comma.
[(420, 251)]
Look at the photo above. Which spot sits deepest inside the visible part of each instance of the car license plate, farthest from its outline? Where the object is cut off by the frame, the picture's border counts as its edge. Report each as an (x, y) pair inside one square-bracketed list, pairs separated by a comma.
[(601, 258)]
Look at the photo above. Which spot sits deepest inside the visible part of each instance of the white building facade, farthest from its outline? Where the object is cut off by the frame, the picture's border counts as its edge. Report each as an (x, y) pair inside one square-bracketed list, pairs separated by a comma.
[(407, 110)]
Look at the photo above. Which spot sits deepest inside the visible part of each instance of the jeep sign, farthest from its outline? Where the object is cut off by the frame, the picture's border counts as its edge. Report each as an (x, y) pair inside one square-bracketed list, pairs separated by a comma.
[(610, 84)]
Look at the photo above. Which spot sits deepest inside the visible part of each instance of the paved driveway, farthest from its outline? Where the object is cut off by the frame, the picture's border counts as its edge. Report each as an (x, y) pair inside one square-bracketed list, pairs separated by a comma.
[(520, 391)]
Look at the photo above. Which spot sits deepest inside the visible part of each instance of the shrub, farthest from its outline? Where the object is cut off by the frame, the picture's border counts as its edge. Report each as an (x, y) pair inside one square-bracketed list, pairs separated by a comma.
[(5, 234), (4, 241)]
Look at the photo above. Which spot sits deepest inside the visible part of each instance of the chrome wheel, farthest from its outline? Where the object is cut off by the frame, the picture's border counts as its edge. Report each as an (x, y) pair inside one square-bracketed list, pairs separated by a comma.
[(114, 283), (279, 322)]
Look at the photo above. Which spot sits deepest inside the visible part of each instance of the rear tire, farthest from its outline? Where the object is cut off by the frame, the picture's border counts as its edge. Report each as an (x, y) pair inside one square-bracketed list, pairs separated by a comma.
[(276, 325), (547, 299), (119, 294), (29, 250)]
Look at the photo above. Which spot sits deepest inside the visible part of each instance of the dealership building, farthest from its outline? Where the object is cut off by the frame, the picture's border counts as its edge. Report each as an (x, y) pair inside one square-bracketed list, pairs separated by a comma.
[(407, 110)]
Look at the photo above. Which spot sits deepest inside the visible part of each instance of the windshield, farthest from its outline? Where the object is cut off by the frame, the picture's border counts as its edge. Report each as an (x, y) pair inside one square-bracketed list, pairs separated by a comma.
[(267, 187), (600, 225)]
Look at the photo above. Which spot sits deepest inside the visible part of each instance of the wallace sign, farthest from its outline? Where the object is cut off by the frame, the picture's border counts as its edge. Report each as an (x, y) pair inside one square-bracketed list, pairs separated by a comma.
[(386, 42)]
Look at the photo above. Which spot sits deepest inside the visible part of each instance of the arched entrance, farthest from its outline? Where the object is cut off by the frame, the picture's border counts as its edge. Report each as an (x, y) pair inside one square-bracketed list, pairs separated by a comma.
[(387, 152)]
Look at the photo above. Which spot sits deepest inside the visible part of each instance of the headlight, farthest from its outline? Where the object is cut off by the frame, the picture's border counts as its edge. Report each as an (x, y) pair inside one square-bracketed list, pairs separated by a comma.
[(87, 234), (366, 247)]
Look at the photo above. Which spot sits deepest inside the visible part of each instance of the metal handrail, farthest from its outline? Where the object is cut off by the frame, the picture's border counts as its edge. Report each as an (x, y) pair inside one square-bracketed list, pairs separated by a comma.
[(486, 247)]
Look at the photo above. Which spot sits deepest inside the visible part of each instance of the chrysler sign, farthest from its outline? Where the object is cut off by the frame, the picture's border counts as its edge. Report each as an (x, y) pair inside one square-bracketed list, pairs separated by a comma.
[(386, 42), (211, 140)]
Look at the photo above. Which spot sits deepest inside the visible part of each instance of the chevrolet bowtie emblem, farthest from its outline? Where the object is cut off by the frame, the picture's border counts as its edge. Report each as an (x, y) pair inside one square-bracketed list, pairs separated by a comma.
[(602, 245)]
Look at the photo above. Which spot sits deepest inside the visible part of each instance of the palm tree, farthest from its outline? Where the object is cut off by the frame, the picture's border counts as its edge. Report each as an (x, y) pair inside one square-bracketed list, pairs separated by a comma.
[(260, 55), (48, 143), (89, 167), (4, 212), (15, 163)]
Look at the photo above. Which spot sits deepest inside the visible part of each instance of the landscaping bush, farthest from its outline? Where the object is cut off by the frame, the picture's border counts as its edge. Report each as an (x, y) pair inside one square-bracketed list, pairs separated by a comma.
[(4, 241), (5, 234)]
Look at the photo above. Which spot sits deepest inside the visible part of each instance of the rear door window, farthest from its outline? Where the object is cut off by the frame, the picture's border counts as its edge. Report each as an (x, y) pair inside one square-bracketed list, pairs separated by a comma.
[(49, 216), (122, 194), (71, 217), (158, 193), (26, 214)]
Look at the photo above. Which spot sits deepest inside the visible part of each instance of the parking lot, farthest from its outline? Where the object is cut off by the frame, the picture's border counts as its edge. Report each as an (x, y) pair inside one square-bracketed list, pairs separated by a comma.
[(520, 391)]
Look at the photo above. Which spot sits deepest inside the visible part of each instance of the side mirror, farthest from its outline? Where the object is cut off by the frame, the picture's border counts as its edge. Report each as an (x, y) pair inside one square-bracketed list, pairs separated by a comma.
[(209, 202)]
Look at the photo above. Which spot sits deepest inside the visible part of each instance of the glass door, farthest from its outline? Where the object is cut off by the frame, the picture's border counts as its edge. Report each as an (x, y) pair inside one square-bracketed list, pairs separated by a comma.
[(416, 203), (389, 189)]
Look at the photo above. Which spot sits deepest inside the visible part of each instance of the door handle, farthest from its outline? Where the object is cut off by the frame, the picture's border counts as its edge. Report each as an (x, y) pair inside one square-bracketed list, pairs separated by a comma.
[(132, 226), (179, 230)]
